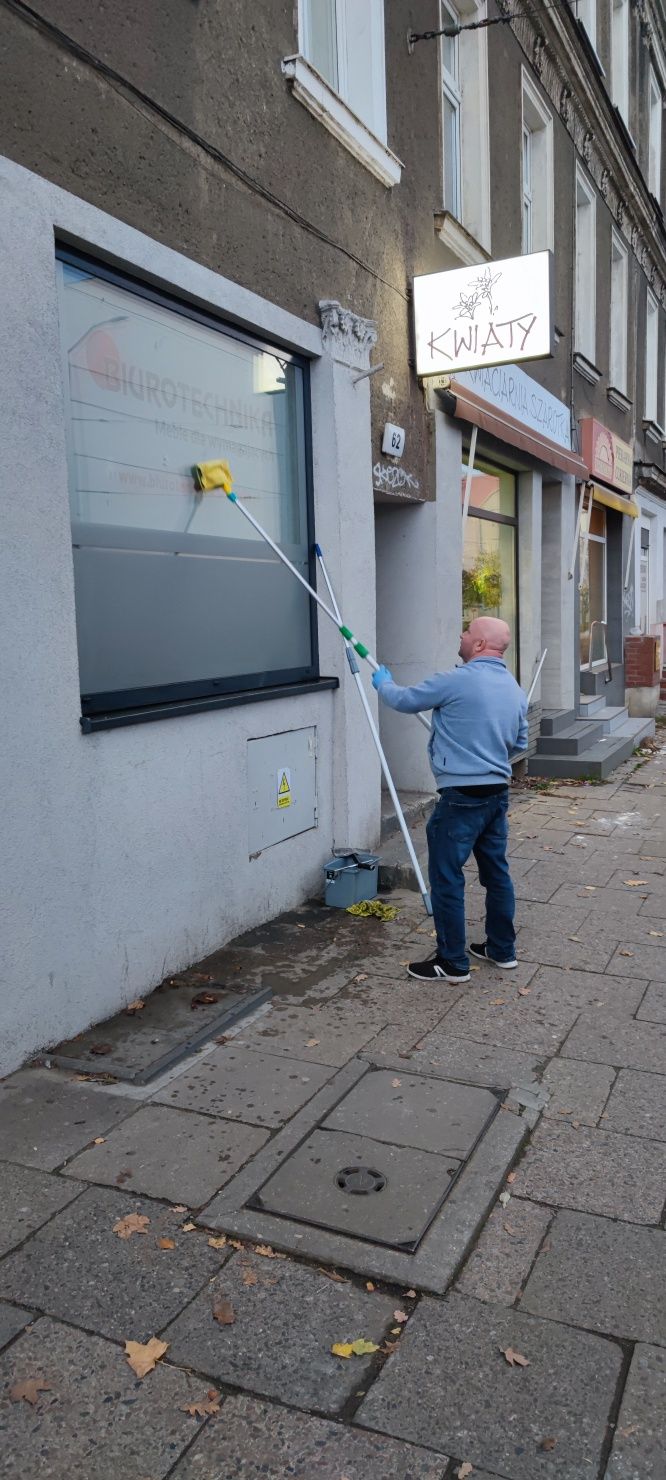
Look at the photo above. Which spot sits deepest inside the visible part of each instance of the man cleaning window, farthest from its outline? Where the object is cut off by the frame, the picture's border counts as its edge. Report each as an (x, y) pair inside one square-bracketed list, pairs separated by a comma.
[(479, 719)]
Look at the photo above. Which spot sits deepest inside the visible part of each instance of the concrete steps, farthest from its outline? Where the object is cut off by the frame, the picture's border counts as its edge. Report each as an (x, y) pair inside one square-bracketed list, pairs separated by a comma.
[(571, 740), (599, 759), (416, 806)]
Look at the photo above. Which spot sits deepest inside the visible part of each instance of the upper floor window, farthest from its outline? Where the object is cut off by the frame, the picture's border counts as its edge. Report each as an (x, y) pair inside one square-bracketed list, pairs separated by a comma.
[(586, 11), (465, 127), (655, 114), (586, 262), (620, 56), (537, 171), (619, 310), (344, 41), (651, 358), (451, 107)]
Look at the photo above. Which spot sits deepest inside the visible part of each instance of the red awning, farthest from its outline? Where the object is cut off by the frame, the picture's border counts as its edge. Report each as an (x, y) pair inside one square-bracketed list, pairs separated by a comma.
[(470, 407)]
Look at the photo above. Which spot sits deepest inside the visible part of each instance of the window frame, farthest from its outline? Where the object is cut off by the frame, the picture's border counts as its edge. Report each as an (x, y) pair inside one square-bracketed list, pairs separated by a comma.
[(619, 254), (592, 664), (620, 43), (537, 123), (214, 689), (487, 464), (651, 388), (588, 8), (655, 139), (586, 293), (378, 126), (452, 92)]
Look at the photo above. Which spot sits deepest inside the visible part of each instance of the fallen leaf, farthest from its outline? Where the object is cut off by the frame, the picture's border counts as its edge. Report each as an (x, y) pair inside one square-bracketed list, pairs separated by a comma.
[(498, 1002), (362, 977), (634, 883), (548, 1443), (655, 932), (342, 1349), (363, 1348), (508, 1229), (99, 1140), (514, 1358), (123, 1177), (100, 1048), (505, 1197), (28, 1391), (524, 991), (300, 927), (312, 1043), (179, 1208), (165, 1243), (389, 1348), (250, 1277), (395, 1083), (133, 1007), (217, 1243), (224, 1313), (203, 1406), (188, 1227), (631, 1428), (142, 1358), (512, 1177), (204, 999), (410, 1294), (267, 1252), (369, 1285), (464, 1470), (399, 1315), (332, 1274), (625, 953), (133, 1223), (235, 1243)]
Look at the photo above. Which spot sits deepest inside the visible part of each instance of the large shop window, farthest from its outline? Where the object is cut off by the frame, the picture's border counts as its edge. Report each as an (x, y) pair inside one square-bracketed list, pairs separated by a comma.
[(176, 596), (592, 587), (489, 551)]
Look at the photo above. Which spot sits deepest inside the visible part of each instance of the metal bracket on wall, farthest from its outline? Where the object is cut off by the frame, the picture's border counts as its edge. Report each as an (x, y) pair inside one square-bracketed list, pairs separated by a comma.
[(365, 373)]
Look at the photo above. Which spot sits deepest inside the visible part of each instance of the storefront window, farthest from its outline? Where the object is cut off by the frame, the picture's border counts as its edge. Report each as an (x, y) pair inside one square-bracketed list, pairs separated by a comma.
[(176, 595), (592, 633), (489, 551)]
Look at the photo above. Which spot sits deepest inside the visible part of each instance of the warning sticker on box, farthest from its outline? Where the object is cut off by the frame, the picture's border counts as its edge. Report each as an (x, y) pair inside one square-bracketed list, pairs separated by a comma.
[(284, 787)]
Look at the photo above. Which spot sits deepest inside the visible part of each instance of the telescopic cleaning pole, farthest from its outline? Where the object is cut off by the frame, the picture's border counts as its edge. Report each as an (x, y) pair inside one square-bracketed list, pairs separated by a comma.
[(356, 674), (211, 475)]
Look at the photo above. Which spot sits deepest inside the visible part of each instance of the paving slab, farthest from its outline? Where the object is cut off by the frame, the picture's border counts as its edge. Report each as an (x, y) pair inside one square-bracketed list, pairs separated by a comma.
[(449, 1385), (601, 1275), (285, 1324), (403, 1000), (318, 1035), (577, 1091), (594, 1171), (445, 1056), (499, 1265), (243, 1084), (637, 959), (45, 1117), (410, 1110), (614, 1040), (12, 1320), (653, 1005), (588, 990), (598, 903), (29, 1199), (77, 1269), (543, 881), (637, 1105), (639, 1445), (261, 1441), (582, 946), (172, 1154), (507, 1020), (95, 1418)]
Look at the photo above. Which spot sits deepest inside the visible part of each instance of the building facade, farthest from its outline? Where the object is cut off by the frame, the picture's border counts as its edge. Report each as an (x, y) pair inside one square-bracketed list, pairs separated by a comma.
[(212, 219)]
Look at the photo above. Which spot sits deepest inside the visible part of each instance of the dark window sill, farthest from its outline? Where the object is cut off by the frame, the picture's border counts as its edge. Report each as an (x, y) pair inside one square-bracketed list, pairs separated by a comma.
[(119, 718)]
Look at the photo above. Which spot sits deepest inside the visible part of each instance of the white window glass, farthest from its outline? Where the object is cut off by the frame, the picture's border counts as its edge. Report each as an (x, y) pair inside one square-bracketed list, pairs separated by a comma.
[(176, 595), (586, 11), (451, 114), (620, 56), (537, 170), (592, 588), (489, 586), (654, 134), (651, 357), (344, 40), (619, 309), (585, 340)]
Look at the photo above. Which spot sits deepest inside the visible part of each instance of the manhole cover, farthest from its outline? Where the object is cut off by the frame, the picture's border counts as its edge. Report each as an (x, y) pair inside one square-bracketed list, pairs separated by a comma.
[(360, 1180), (307, 1187)]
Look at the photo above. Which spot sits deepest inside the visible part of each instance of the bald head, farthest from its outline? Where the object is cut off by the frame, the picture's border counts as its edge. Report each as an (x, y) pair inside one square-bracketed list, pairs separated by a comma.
[(486, 637)]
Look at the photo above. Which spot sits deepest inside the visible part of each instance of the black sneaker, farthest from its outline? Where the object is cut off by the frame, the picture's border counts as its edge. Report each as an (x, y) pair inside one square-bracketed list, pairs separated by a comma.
[(484, 955), (437, 969)]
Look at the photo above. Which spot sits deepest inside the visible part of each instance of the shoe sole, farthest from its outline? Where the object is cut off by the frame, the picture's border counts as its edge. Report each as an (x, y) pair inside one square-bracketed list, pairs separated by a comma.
[(503, 965), (442, 977)]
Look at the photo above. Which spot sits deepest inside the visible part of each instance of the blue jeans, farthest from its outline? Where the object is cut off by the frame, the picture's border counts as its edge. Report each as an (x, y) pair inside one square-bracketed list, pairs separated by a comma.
[(461, 825)]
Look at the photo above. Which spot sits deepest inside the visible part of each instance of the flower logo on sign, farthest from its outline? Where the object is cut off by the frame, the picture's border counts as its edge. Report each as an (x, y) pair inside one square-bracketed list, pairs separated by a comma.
[(480, 289)]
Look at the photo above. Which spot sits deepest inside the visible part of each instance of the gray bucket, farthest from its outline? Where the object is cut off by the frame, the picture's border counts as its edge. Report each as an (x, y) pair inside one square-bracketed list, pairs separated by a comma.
[(351, 878)]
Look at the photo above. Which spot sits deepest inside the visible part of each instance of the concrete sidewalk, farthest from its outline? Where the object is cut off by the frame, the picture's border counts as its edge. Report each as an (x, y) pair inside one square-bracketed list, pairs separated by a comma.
[(545, 1353)]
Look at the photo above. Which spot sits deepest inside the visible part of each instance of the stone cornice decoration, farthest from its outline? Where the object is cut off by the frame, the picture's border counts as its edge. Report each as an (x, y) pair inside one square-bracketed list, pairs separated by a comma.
[(347, 336), (577, 96)]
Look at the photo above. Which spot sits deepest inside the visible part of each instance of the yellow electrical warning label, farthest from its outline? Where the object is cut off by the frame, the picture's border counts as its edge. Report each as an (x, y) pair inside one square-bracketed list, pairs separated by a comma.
[(284, 787)]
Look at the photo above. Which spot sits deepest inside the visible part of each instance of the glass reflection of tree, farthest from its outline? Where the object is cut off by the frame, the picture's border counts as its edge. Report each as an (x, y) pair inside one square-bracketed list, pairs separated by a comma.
[(482, 584)]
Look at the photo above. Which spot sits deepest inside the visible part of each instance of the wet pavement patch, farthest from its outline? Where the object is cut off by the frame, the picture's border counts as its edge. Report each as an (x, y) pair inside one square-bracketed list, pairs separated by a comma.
[(148, 1037), (386, 1172)]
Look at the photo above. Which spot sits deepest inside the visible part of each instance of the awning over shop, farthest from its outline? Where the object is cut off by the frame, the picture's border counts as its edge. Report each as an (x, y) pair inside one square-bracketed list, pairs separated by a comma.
[(461, 401), (621, 503)]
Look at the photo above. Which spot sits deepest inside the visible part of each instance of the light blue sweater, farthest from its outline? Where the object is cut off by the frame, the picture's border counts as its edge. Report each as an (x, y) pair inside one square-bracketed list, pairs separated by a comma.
[(479, 718)]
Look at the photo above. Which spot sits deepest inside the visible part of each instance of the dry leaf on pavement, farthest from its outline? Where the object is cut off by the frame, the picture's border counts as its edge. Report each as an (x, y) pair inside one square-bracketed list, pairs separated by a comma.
[(505, 1197), (188, 1227), (133, 1223), (362, 977), (267, 1252), (512, 1177), (133, 1007), (165, 1243), (28, 1391), (395, 1083), (369, 1285), (389, 1348), (498, 1002), (655, 932), (142, 1358), (179, 1208), (634, 883), (515, 1359), (224, 1313), (217, 1243), (358, 1348), (508, 1229), (548, 1443), (312, 1043), (524, 991), (464, 1470), (626, 1433), (250, 1277), (203, 1406), (99, 1140), (100, 1048), (410, 1294), (332, 1274), (399, 1315), (204, 999)]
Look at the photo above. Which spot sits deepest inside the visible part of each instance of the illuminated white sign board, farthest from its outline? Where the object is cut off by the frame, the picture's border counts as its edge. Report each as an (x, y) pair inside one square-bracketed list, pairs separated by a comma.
[(492, 314)]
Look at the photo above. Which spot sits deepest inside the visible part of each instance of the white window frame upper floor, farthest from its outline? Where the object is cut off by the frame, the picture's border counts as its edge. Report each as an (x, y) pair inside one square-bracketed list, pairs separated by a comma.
[(651, 390), (620, 48), (585, 333), (351, 101), (464, 226), (537, 173), (586, 12), (655, 132), (619, 313)]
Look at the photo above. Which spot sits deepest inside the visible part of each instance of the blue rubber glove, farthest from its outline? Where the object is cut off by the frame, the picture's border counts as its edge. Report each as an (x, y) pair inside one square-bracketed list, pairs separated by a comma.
[(383, 675)]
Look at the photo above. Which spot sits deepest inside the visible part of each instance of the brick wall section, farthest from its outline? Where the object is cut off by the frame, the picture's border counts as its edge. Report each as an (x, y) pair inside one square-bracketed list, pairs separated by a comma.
[(640, 662)]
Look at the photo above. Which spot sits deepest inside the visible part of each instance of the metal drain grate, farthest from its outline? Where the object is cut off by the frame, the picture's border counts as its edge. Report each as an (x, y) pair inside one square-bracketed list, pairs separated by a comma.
[(360, 1180)]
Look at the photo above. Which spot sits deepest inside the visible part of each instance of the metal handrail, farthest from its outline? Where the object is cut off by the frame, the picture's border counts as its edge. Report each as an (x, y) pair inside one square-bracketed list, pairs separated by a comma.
[(598, 623)]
